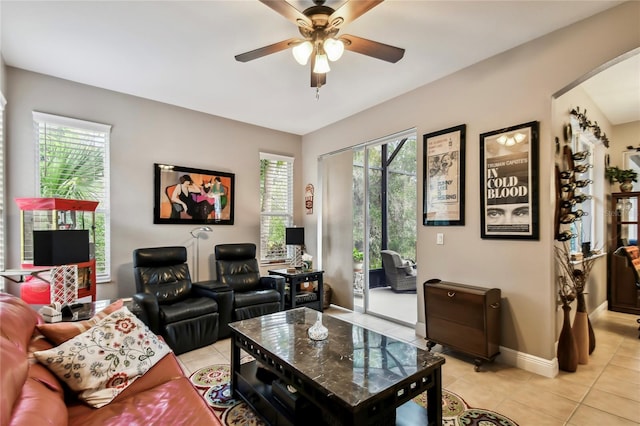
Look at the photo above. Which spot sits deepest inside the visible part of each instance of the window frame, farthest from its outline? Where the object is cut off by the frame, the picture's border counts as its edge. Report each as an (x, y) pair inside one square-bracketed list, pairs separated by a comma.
[(587, 229), (40, 118), (3, 103), (287, 214)]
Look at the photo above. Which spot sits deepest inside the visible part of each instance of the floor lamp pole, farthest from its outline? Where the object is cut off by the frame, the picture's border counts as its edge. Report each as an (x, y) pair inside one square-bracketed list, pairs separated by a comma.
[(195, 233)]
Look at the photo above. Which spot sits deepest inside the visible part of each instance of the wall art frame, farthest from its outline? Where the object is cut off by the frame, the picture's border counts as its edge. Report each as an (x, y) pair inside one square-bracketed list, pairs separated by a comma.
[(444, 177), (509, 182), (186, 195)]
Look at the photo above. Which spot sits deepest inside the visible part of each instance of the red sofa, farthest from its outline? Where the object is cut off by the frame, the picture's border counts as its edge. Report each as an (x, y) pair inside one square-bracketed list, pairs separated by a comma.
[(32, 395)]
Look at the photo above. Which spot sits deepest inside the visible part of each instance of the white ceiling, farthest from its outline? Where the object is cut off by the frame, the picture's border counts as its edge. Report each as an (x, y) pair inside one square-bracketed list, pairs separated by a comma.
[(616, 91), (182, 52)]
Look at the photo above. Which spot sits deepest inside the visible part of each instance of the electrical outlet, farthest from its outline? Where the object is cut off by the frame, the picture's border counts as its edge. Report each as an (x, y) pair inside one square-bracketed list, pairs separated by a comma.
[(440, 238)]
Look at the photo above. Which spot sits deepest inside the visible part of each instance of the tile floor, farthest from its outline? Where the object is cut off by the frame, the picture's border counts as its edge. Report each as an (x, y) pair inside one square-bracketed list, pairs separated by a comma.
[(604, 392)]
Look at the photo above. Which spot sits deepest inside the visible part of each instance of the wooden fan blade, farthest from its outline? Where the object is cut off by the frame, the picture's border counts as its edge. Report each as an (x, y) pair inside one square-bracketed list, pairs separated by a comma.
[(317, 80), (351, 10), (266, 50), (372, 48), (289, 12)]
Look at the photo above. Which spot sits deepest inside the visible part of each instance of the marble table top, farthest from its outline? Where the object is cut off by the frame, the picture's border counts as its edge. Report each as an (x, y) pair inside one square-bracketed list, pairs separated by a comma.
[(353, 363)]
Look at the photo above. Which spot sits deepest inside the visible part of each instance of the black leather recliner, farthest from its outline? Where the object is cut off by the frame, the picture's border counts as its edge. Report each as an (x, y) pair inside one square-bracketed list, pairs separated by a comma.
[(253, 295), (171, 306)]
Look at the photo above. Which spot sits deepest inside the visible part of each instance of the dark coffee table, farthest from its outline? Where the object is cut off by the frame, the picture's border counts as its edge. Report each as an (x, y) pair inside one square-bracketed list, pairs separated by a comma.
[(355, 377)]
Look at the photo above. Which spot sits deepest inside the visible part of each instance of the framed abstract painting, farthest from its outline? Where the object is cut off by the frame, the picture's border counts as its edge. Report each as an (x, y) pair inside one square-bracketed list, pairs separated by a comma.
[(192, 196)]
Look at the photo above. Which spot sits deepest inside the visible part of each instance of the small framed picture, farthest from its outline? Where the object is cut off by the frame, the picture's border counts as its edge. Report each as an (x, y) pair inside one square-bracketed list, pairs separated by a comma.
[(443, 172)]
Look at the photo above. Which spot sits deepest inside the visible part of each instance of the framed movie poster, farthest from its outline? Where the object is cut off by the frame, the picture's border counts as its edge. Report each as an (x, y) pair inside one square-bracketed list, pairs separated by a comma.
[(443, 171), (509, 182), (192, 196)]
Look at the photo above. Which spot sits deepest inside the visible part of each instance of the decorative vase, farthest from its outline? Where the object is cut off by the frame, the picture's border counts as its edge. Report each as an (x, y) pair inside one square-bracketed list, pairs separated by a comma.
[(567, 351), (592, 336), (626, 186), (318, 331), (581, 330)]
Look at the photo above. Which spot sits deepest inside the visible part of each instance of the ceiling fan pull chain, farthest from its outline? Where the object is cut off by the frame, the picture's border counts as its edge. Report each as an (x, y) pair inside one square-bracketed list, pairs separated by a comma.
[(317, 93)]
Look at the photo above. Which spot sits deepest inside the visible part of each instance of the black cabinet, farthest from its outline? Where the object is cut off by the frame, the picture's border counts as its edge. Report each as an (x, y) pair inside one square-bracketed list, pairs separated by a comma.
[(623, 294), (300, 290)]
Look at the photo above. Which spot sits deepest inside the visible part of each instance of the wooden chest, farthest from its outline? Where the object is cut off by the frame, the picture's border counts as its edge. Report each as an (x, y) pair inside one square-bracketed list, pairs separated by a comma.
[(463, 317)]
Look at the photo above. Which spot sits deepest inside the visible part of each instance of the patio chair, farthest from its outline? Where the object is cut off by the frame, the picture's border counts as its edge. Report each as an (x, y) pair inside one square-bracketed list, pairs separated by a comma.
[(399, 274)]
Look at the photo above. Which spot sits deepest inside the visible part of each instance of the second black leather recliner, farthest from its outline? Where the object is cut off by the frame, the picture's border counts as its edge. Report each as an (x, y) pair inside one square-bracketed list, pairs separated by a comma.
[(253, 295), (171, 306)]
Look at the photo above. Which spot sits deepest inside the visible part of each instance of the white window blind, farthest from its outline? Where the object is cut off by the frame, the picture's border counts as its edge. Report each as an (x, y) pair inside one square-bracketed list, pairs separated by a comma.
[(73, 162), (276, 206), (3, 102)]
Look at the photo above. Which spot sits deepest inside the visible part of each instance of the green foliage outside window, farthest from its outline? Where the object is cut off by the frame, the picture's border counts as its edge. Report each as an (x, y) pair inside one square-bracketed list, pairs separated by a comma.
[(74, 171), (401, 201)]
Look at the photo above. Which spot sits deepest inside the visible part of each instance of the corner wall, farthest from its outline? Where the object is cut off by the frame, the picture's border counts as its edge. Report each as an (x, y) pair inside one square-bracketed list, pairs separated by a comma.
[(3, 72), (144, 132), (511, 88), (3, 86)]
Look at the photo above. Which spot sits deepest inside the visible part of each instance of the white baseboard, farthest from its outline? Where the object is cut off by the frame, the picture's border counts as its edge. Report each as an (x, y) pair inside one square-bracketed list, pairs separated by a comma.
[(527, 362), (595, 314), (524, 361)]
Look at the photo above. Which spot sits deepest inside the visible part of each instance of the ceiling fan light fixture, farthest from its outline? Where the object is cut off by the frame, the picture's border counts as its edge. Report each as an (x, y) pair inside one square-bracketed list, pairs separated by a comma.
[(322, 64), (334, 48), (302, 52)]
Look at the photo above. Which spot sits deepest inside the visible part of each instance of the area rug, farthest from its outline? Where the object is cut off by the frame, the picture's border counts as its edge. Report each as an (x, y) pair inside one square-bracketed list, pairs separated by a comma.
[(213, 384)]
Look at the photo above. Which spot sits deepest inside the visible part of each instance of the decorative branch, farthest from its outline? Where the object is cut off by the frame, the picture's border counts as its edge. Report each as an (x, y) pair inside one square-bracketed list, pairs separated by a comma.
[(585, 124), (573, 280)]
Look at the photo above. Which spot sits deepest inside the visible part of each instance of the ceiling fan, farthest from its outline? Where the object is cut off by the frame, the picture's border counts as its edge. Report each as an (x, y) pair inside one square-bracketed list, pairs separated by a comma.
[(319, 26)]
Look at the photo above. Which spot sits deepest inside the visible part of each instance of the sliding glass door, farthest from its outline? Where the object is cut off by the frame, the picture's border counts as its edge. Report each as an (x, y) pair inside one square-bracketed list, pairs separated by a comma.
[(377, 211)]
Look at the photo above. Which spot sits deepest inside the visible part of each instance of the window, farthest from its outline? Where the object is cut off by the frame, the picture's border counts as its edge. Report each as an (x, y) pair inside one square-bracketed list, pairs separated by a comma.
[(73, 162), (276, 206), (586, 229), (3, 102)]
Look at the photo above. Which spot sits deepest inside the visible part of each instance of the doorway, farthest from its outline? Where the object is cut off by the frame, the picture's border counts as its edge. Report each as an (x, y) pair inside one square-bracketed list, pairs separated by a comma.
[(369, 203), (384, 218), (604, 93)]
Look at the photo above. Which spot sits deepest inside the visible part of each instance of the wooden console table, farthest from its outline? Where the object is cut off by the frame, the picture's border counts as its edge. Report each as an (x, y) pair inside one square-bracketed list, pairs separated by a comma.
[(463, 317), (19, 275)]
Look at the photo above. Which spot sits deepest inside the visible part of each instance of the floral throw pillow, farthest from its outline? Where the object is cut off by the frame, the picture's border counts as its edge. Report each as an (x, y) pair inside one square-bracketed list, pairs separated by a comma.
[(104, 360)]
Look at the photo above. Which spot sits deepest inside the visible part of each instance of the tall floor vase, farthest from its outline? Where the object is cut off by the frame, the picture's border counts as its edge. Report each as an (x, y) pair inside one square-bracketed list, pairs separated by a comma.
[(592, 336), (567, 350), (581, 331)]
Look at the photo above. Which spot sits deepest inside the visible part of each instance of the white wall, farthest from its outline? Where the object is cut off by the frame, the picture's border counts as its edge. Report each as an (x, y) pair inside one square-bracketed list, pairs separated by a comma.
[(623, 135), (337, 229), (3, 72), (144, 132), (508, 89), (2, 65)]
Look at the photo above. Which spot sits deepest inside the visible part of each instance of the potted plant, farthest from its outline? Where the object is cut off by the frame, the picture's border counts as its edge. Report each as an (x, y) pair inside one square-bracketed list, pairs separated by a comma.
[(358, 258), (624, 176)]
